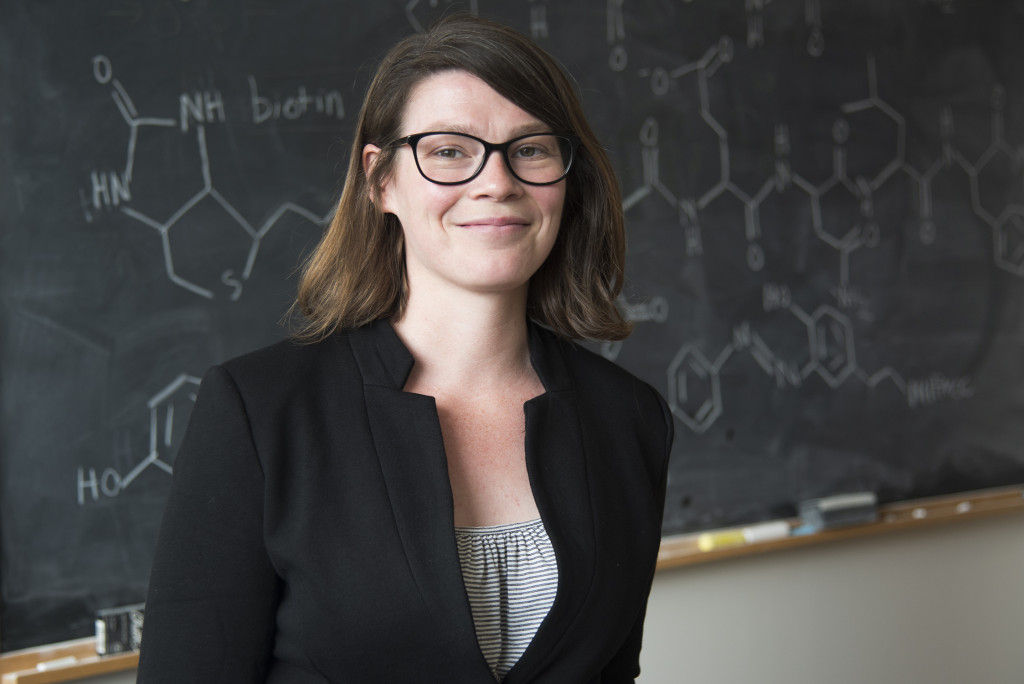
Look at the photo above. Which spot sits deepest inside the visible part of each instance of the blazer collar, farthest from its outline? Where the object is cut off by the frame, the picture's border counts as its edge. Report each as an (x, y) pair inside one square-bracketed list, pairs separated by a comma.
[(384, 360), (407, 436)]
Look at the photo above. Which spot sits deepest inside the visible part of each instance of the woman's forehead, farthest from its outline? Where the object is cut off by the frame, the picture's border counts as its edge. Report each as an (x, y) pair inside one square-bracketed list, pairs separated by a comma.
[(461, 102)]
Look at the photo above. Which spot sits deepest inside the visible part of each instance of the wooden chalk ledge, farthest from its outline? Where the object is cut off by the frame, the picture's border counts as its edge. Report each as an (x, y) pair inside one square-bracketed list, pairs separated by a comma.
[(63, 662), (904, 515)]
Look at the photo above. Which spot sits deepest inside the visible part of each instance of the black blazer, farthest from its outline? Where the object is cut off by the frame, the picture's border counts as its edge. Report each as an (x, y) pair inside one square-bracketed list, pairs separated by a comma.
[(309, 534)]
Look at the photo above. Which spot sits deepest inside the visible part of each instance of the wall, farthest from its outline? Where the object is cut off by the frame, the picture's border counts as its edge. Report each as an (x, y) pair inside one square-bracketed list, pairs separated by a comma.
[(937, 606)]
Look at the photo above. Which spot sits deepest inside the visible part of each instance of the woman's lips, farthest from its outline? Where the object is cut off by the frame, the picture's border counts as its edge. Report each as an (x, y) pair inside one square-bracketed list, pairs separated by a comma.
[(495, 222)]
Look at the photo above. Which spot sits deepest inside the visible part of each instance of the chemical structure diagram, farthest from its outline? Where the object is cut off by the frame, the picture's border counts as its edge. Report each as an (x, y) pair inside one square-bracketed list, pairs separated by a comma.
[(693, 379), (164, 436), (111, 190)]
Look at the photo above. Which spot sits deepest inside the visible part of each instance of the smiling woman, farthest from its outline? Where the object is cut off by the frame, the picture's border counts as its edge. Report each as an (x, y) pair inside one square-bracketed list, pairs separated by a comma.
[(358, 273), (431, 477)]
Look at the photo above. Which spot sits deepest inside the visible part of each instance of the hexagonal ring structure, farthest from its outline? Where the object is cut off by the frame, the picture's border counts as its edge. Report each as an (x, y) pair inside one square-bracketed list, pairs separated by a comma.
[(694, 391)]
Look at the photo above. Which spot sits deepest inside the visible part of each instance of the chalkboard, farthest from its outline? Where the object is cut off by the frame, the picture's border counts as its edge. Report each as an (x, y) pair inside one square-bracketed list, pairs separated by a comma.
[(825, 203)]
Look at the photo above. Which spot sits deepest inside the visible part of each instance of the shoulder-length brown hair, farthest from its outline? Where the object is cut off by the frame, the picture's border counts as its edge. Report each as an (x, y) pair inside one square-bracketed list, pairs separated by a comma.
[(356, 275)]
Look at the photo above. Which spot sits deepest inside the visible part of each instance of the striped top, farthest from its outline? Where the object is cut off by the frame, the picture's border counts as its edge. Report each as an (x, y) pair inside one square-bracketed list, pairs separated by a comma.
[(511, 578)]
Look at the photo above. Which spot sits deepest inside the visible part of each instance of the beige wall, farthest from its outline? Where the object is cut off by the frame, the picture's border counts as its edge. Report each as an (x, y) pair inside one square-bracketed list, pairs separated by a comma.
[(936, 606)]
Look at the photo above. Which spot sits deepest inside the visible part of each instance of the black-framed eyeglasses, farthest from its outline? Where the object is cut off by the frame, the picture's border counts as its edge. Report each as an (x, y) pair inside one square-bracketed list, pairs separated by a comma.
[(448, 158)]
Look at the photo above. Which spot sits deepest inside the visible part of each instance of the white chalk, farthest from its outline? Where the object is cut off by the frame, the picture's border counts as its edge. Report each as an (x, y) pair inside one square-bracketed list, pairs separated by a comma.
[(765, 532), (54, 664)]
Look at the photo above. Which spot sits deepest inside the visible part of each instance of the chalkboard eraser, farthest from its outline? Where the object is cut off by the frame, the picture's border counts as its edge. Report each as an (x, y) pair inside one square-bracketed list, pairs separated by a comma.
[(119, 630), (839, 510)]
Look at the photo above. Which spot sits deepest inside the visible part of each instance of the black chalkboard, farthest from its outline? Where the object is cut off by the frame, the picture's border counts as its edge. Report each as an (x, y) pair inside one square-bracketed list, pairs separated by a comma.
[(825, 202)]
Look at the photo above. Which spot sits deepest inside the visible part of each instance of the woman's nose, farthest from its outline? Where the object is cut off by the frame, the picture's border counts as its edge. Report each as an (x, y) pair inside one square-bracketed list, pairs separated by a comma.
[(496, 178)]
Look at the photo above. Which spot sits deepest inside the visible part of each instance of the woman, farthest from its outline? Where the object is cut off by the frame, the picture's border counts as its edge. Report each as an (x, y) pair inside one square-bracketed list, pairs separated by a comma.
[(429, 485)]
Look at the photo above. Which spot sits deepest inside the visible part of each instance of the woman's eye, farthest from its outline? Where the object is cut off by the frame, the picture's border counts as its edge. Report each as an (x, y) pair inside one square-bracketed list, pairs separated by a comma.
[(448, 153), (530, 152)]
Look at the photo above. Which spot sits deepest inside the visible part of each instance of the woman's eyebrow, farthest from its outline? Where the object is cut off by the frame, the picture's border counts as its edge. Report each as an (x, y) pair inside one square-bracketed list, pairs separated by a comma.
[(524, 129)]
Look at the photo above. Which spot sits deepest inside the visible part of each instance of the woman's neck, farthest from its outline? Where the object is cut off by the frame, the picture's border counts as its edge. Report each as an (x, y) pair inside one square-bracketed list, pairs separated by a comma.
[(478, 341)]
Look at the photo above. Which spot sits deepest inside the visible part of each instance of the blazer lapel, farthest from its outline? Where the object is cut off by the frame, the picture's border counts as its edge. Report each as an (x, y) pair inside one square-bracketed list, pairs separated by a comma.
[(407, 436), (557, 466)]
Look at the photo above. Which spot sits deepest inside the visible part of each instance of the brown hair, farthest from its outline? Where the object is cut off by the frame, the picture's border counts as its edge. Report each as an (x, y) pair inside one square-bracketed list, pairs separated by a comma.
[(357, 273)]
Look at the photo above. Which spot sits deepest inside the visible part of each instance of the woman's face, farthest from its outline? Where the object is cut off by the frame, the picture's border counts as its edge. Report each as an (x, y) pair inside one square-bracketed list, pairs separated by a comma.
[(487, 235)]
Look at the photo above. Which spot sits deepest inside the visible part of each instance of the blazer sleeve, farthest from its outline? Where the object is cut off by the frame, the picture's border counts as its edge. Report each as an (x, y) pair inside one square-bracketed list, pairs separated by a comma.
[(624, 668), (625, 665), (213, 591)]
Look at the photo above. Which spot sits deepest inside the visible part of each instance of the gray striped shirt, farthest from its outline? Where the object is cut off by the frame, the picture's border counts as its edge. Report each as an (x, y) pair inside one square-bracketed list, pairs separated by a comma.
[(511, 578)]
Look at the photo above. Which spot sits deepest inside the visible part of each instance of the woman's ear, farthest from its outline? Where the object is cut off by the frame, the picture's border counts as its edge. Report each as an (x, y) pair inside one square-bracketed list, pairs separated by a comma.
[(372, 153)]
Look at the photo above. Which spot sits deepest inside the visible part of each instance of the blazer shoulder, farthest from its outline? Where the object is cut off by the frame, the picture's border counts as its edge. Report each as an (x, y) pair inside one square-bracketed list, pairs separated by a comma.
[(287, 362), (592, 372), (607, 389)]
